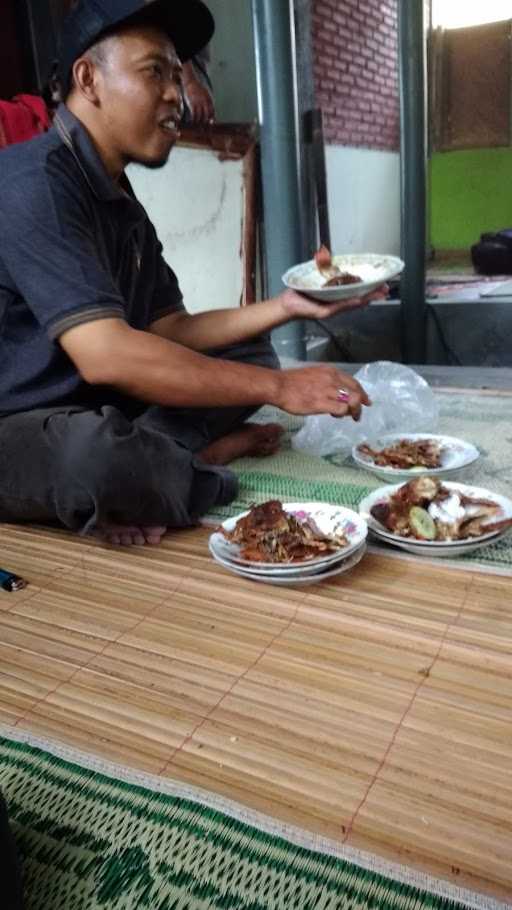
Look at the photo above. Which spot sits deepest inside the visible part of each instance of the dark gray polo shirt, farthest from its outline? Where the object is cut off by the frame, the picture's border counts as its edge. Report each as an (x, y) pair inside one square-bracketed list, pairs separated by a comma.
[(74, 247)]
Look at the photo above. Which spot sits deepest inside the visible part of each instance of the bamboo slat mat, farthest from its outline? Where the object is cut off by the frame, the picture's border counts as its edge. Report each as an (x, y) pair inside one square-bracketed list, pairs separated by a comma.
[(373, 709)]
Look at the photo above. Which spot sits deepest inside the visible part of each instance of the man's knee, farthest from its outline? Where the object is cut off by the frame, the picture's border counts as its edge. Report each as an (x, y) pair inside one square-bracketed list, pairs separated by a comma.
[(269, 359), (113, 459), (265, 353), (131, 474)]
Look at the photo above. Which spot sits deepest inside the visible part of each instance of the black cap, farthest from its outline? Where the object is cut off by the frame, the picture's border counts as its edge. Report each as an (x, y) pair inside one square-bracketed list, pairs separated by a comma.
[(188, 23)]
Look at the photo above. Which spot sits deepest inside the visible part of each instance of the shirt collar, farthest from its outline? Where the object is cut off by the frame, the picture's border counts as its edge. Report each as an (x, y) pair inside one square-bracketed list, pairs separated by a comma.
[(75, 136)]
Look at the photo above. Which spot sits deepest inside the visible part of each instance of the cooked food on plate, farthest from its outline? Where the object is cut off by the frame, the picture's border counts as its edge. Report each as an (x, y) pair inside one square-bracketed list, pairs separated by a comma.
[(406, 453), (342, 279), (335, 277), (270, 534), (424, 509)]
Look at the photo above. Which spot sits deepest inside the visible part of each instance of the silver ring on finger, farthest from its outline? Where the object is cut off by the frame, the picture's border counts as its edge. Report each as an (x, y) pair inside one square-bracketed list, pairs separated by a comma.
[(342, 395)]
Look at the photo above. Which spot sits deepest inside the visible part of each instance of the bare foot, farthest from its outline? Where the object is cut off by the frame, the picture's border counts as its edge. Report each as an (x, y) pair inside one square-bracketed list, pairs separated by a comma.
[(128, 535), (252, 439)]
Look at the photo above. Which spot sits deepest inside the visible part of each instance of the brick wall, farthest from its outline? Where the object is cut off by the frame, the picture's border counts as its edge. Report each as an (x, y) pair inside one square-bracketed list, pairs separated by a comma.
[(355, 52)]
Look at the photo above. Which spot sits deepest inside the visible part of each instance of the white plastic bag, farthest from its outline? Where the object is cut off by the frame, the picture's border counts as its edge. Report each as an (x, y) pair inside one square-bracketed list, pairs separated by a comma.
[(403, 402)]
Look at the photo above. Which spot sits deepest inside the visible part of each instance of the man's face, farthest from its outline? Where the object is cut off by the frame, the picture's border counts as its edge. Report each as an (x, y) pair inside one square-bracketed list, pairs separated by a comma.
[(139, 90)]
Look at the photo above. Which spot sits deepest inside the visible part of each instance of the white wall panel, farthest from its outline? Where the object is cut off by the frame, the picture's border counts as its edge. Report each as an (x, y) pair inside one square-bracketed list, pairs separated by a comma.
[(364, 200), (196, 205)]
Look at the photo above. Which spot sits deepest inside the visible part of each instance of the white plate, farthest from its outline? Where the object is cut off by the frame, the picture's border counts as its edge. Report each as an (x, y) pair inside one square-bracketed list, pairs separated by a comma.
[(329, 520), (434, 547), (456, 454), (424, 548), (288, 570), (344, 565), (373, 268)]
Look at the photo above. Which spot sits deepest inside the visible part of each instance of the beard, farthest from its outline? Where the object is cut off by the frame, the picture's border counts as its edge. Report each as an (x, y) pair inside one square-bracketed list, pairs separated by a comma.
[(153, 165)]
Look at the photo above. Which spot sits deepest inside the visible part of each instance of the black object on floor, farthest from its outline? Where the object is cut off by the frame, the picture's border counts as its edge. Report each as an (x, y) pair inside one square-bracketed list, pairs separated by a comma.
[(492, 255), (10, 878)]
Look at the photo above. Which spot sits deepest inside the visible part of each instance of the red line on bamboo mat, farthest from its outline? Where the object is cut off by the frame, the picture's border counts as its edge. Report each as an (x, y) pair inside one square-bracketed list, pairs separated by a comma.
[(203, 720), (347, 830), (60, 576), (111, 641)]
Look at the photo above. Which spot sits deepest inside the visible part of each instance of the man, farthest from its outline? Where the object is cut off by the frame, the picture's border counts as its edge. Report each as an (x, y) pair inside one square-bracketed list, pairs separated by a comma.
[(118, 410)]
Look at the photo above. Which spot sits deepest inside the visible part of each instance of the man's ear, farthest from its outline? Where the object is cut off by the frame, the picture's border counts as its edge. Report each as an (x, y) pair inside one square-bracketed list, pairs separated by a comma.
[(85, 76)]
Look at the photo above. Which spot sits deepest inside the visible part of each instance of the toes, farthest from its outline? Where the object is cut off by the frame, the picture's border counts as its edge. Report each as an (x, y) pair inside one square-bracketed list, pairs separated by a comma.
[(153, 536), (120, 536)]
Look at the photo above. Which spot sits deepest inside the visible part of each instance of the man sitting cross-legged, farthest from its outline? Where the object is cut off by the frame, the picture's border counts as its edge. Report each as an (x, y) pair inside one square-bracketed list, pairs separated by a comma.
[(118, 410)]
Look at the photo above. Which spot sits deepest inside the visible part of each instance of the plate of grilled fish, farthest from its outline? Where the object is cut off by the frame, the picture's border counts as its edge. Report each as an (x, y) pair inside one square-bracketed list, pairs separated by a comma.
[(288, 540), (428, 516)]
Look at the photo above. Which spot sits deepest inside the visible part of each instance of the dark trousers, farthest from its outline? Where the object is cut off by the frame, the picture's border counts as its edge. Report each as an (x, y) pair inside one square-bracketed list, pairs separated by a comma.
[(85, 468), (10, 871)]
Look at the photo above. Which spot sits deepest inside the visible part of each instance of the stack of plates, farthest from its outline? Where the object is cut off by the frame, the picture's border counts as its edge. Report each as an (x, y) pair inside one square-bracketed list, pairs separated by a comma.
[(446, 548), (329, 520), (456, 455)]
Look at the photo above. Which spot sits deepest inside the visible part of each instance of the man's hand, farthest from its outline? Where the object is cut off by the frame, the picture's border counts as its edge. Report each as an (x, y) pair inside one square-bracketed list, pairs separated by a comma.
[(319, 390), (298, 306), (199, 101)]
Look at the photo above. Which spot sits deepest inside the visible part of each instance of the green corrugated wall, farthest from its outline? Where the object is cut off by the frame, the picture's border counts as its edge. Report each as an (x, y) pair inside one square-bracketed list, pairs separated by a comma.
[(471, 192)]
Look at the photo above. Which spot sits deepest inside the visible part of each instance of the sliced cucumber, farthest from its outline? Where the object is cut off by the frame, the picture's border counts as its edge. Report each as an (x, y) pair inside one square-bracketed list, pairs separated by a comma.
[(422, 524)]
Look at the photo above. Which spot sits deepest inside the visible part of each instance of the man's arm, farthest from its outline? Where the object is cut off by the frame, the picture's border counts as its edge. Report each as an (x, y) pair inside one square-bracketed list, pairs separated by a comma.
[(220, 328), (153, 369)]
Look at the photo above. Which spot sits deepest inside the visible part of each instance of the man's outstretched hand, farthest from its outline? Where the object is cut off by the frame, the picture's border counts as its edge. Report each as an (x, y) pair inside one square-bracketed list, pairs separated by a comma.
[(320, 390), (298, 306)]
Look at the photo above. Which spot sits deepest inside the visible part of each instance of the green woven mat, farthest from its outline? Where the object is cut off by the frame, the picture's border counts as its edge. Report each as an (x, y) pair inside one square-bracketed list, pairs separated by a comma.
[(90, 840), (484, 420)]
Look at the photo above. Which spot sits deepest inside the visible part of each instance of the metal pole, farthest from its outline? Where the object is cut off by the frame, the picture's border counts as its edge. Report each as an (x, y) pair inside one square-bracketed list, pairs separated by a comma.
[(277, 100), (412, 52)]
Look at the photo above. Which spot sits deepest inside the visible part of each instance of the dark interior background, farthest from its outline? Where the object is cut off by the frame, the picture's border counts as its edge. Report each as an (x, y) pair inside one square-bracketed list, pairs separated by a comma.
[(28, 44)]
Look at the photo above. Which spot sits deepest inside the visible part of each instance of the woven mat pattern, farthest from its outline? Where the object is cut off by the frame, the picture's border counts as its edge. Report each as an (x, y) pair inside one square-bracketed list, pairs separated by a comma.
[(293, 476), (91, 841)]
